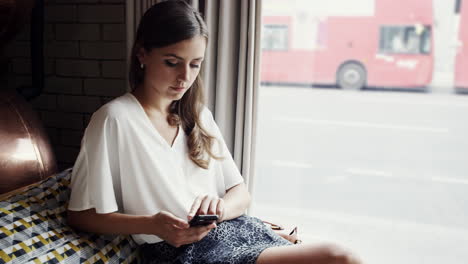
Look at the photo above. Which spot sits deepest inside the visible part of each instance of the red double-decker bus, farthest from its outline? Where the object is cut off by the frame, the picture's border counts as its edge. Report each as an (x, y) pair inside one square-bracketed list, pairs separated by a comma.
[(461, 60), (391, 47)]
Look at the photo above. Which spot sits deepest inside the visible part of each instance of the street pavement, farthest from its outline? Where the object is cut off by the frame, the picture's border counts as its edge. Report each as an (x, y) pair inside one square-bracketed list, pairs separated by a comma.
[(384, 173)]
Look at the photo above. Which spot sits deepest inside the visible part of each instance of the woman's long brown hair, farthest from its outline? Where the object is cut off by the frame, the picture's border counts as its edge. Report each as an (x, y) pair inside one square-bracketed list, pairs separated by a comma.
[(164, 24)]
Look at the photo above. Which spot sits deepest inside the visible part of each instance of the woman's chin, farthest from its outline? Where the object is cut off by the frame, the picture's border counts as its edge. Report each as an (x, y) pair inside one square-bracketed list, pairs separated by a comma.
[(176, 96)]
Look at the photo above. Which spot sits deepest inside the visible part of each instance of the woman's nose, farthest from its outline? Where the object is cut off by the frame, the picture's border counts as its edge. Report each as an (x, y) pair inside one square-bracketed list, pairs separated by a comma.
[(184, 74)]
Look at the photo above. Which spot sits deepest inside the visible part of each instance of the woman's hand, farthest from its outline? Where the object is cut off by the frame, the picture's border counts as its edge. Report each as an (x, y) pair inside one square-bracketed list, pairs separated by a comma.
[(176, 231), (205, 204)]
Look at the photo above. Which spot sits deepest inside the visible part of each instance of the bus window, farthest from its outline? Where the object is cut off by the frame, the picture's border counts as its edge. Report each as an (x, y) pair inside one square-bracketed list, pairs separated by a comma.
[(425, 45), (322, 34), (405, 39), (275, 37)]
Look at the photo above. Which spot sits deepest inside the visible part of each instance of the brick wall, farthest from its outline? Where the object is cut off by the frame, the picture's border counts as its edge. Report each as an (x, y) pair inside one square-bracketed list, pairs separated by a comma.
[(84, 66)]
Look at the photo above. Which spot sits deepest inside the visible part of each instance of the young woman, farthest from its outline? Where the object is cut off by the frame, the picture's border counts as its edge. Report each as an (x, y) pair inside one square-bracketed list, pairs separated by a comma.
[(154, 158)]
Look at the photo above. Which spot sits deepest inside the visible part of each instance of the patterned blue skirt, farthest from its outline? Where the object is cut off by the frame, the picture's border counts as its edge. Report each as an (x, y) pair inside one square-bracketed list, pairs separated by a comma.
[(236, 241)]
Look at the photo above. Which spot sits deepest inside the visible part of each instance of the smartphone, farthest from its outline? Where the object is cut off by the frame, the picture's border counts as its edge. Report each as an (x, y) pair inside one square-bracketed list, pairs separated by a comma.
[(200, 220)]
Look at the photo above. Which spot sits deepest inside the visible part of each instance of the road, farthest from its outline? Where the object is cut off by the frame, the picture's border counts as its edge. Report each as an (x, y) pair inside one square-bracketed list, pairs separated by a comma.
[(382, 172)]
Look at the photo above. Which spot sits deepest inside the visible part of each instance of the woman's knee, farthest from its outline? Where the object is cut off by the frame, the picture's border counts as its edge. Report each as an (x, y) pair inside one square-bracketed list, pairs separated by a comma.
[(336, 255), (307, 253)]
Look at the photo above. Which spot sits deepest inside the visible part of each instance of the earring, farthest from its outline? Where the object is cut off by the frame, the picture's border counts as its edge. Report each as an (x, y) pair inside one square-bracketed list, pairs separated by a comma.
[(142, 66)]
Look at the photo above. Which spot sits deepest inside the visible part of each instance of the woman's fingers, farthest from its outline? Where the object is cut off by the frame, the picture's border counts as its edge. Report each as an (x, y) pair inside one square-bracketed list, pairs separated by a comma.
[(213, 207), (200, 232), (202, 229), (195, 234), (209, 205), (220, 209), (175, 221), (178, 232), (205, 205), (190, 235), (195, 207), (206, 231)]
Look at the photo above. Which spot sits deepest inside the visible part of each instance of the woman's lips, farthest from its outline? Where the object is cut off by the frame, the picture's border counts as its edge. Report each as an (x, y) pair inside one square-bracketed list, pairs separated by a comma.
[(178, 89)]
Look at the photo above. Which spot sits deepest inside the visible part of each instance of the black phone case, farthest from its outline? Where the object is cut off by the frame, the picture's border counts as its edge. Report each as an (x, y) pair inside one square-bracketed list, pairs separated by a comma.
[(200, 220)]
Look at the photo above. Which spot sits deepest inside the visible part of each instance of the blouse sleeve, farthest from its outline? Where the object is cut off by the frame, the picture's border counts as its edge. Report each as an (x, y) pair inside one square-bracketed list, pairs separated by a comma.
[(231, 173), (95, 181)]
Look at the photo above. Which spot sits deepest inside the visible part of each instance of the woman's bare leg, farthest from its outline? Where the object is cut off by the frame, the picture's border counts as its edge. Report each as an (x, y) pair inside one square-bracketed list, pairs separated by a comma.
[(303, 253)]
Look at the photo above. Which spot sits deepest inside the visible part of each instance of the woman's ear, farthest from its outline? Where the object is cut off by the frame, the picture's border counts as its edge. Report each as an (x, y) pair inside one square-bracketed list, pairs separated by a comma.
[(141, 55)]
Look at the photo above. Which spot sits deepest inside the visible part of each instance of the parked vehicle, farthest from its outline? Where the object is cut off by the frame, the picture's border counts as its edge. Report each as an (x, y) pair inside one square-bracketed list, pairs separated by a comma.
[(461, 60), (391, 47)]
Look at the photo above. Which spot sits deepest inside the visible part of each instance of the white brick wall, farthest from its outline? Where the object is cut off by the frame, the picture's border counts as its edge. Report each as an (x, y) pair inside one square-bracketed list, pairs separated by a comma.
[(84, 67)]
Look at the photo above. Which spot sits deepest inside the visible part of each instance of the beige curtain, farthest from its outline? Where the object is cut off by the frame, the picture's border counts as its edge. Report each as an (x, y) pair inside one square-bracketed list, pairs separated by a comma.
[(231, 75), (230, 71)]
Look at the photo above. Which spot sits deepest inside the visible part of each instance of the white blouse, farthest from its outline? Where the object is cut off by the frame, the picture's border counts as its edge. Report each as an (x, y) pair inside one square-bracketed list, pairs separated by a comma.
[(125, 165)]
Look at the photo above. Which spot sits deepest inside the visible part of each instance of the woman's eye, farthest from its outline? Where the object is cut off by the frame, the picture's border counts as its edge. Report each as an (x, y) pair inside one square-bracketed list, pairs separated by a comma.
[(174, 64), (170, 64)]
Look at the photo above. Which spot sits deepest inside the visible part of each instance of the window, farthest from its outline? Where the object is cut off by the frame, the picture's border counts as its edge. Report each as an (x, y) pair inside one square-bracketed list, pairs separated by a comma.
[(405, 39), (321, 35), (362, 126), (275, 37)]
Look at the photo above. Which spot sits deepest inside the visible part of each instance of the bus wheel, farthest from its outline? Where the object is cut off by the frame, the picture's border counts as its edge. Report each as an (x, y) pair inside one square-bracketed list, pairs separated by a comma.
[(351, 76)]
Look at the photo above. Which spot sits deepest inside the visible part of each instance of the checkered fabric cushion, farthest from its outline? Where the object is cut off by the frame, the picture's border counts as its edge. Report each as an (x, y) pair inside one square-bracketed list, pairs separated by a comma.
[(33, 229)]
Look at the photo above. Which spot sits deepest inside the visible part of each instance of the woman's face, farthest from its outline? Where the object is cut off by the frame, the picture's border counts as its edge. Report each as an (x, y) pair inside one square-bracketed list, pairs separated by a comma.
[(170, 71)]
